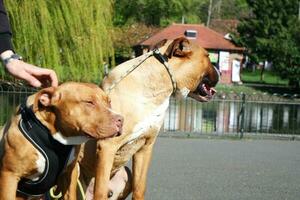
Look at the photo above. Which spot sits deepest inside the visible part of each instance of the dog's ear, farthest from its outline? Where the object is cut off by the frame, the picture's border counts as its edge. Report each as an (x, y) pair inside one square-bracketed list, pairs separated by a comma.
[(45, 98), (180, 47), (158, 45)]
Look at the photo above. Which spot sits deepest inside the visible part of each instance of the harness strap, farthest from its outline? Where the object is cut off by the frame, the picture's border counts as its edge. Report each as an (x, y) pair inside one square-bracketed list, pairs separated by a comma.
[(55, 154)]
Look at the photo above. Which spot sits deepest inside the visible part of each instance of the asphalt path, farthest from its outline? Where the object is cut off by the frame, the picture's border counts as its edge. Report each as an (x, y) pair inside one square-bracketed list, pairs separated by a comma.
[(215, 169)]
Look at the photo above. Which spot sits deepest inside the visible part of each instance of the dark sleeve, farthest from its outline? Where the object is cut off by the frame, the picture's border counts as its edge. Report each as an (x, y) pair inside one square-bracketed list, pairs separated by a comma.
[(5, 31)]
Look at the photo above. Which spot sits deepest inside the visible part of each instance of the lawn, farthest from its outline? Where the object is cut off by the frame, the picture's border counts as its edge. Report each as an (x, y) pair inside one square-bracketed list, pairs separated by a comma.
[(248, 76), (272, 84), (237, 89)]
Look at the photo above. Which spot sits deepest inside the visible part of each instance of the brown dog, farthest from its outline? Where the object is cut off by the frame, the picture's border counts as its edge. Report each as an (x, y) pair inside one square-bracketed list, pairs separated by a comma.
[(52, 118), (142, 97)]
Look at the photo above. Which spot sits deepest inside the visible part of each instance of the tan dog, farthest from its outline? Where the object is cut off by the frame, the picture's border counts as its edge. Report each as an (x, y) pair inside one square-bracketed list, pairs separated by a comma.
[(142, 98), (67, 115)]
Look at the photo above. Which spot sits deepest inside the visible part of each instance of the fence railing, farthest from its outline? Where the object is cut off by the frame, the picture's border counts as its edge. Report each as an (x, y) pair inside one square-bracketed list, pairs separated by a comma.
[(10, 97), (225, 114), (235, 114)]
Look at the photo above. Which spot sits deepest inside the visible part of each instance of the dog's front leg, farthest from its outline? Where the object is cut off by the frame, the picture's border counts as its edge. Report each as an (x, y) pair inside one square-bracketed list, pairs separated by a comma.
[(104, 162), (8, 185), (67, 182), (141, 162)]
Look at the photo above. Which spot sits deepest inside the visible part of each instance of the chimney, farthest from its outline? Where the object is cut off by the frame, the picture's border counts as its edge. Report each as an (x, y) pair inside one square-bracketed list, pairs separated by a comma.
[(190, 34)]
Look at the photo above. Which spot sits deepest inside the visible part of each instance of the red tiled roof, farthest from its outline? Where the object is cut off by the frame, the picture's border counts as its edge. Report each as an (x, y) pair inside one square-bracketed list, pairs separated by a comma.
[(206, 37)]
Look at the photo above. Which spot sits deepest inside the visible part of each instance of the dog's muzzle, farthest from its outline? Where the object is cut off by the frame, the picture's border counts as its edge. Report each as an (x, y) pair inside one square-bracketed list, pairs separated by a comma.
[(205, 90), (203, 93)]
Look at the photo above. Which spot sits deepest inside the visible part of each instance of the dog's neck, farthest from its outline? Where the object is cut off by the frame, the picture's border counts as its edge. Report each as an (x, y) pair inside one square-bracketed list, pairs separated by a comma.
[(146, 84), (47, 118), (150, 85)]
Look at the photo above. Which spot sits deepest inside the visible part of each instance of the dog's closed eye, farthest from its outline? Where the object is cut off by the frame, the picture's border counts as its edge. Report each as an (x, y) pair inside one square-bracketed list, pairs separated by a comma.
[(89, 102)]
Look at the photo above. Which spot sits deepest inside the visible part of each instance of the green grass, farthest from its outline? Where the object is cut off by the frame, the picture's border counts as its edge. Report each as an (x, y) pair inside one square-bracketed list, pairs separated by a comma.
[(222, 88), (256, 89), (269, 78)]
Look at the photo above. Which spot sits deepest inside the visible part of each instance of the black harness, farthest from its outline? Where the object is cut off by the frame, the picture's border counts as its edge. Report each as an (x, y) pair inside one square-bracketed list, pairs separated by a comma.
[(55, 153)]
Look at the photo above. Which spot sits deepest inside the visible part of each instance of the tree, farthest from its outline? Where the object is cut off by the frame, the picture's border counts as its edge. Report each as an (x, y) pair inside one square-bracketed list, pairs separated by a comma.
[(72, 37), (158, 12), (228, 9), (125, 37), (272, 33)]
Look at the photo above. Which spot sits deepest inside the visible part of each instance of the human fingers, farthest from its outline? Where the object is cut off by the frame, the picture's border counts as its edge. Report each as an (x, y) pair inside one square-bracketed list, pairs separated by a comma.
[(33, 81), (42, 73), (35, 76), (17, 68), (54, 78)]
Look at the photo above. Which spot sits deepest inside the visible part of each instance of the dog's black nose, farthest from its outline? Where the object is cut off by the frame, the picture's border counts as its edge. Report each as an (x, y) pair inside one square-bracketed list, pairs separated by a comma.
[(212, 78), (110, 194)]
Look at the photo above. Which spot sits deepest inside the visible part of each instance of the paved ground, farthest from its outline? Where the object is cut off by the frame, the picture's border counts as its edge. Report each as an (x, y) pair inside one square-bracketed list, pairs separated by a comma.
[(213, 169)]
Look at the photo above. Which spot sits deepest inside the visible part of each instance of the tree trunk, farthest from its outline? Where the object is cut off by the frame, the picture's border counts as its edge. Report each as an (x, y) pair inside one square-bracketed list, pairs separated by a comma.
[(262, 73)]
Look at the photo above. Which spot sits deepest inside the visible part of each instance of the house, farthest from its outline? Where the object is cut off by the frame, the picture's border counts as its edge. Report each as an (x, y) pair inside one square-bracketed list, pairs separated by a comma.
[(223, 53)]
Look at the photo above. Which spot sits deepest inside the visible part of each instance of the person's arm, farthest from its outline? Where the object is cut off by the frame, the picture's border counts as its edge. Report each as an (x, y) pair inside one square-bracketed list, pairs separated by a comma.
[(5, 31), (35, 76)]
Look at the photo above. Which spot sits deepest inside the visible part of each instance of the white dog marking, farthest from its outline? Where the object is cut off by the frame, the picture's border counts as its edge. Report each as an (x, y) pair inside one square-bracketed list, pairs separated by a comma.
[(153, 120), (40, 165), (182, 93), (75, 140)]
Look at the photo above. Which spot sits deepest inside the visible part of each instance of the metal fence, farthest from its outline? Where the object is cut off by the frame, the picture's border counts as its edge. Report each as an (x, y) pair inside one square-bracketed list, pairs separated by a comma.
[(10, 97), (225, 114), (235, 114)]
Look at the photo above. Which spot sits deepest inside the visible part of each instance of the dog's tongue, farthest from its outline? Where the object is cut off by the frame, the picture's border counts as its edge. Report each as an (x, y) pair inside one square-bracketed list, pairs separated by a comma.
[(206, 90)]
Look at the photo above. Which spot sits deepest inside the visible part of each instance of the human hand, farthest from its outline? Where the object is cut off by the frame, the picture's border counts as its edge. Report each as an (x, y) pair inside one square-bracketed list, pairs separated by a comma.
[(35, 76)]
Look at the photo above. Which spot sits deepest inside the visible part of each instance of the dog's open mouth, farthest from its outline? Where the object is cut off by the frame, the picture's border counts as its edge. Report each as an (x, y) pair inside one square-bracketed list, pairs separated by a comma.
[(115, 134), (103, 133), (203, 93)]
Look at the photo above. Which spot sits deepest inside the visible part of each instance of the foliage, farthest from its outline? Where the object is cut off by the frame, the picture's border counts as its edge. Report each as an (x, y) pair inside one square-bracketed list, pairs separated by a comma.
[(164, 12), (127, 36), (70, 36), (158, 12), (229, 9), (272, 33)]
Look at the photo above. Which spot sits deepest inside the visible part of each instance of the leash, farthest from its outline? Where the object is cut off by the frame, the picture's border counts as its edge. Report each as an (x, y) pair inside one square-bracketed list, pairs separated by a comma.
[(162, 59), (82, 193), (54, 196)]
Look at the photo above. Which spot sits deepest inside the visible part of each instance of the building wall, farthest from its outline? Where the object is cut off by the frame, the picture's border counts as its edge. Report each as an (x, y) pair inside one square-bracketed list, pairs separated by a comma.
[(225, 65)]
